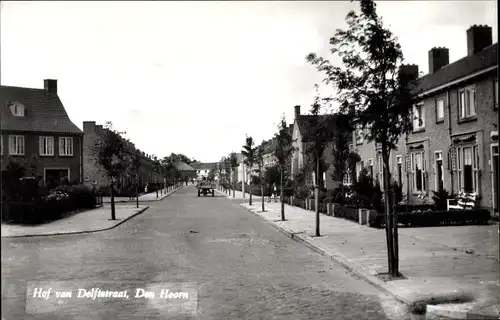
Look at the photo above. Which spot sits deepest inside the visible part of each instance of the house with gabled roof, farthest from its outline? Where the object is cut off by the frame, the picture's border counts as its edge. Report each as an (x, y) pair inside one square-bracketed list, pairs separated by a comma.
[(37, 132), (186, 171), (301, 136)]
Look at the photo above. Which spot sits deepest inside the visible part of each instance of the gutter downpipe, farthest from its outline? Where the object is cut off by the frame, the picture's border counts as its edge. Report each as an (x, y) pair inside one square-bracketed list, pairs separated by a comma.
[(451, 144)]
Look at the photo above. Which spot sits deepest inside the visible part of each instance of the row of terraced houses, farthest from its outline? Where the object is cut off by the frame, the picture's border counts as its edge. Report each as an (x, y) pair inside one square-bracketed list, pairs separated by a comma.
[(37, 132), (454, 141)]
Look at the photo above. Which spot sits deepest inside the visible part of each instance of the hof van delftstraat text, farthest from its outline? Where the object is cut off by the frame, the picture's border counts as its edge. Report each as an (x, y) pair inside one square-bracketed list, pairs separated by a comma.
[(95, 293)]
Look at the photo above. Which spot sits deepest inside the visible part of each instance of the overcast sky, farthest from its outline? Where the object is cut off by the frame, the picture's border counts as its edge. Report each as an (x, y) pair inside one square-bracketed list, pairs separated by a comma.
[(195, 77)]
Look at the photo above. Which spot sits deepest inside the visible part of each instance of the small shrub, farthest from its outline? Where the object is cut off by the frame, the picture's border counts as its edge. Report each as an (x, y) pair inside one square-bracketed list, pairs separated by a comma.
[(440, 199)]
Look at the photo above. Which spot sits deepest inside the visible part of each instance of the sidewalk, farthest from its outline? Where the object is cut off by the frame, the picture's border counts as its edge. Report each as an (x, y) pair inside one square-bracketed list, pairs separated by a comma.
[(147, 197), (438, 263), (83, 222)]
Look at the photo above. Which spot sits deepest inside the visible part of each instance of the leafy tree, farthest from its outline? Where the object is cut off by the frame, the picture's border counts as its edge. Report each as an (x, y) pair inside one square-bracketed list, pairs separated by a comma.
[(135, 165), (283, 154), (211, 175), (370, 84), (259, 157), (272, 175), (249, 153), (109, 156), (233, 159)]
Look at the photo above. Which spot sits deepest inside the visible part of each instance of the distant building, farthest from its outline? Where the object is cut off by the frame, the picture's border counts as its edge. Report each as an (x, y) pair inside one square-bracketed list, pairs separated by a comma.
[(203, 169), (37, 132), (187, 172), (148, 173)]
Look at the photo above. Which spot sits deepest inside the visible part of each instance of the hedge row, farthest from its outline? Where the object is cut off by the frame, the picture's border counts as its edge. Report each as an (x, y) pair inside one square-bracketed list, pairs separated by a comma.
[(60, 202)]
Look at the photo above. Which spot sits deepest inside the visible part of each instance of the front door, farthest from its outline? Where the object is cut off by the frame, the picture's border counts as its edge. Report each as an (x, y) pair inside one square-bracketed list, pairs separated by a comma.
[(439, 171)]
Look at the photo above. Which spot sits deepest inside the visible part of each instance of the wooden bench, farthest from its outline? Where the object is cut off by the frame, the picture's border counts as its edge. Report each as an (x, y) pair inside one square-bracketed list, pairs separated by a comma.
[(463, 202)]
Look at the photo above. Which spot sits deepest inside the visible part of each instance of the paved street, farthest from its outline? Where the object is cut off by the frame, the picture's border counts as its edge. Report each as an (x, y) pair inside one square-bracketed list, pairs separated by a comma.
[(244, 268)]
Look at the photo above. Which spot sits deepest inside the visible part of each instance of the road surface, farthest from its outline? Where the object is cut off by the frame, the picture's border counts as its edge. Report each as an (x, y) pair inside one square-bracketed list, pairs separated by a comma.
[(243, 268)]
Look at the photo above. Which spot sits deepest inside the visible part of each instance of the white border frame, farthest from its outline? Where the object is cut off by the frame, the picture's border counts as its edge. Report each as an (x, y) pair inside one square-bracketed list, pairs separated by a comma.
[(24, 145), (72, 147)]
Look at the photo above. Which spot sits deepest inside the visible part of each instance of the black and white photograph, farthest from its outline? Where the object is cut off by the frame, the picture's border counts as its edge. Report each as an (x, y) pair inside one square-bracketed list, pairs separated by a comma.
[(271, 160)]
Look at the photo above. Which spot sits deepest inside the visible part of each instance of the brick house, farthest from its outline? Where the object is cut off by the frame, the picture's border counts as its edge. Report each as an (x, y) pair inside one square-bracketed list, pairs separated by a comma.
[(93, 174), (301, 127), (187, 172), (454, 142), (37, 131)]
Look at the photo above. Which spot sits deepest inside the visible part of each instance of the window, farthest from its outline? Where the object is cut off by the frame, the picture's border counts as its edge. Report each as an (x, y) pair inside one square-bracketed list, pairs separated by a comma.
[(17, 109), (418, 118), (65, 146), (399, 161), (347, 180), (359, 134), (16, 145), (467, 102), (418, 171), (439, 183), (468, 167), (46, 146), (439, 109)]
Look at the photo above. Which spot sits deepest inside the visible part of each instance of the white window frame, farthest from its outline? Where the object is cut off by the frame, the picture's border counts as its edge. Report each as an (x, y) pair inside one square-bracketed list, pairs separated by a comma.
[(64, 151), (370, 167), (399, 161), (438, 156), (17, 109), (347, 179), (414, 170), (465, 108), (17, 151), (56, 168), (46, 148), (359, 134), (440, 118), (417, 126), (476, 160)]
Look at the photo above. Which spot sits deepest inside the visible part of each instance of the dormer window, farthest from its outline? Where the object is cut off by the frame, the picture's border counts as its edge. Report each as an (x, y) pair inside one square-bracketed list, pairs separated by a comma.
[(17, 109)]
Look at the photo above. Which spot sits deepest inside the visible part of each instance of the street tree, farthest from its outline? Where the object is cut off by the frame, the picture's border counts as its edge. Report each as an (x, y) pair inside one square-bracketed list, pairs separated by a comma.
[(249, 153), (135, 165), (109, 156), (317, 138), (282, 155), (259, 159), (372, 86), (233, 159)]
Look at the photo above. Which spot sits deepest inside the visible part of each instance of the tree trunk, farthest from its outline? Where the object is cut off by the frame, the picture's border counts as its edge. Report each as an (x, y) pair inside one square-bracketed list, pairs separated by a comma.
[(395, 234), (137, 193), (316, 195), (234, 188), (388, 215), (262, 196), (113, 213), (250, 187), (282, 198)]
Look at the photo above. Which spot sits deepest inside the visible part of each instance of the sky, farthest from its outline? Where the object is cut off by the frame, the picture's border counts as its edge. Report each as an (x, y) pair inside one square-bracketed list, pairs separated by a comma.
[(197, 77)]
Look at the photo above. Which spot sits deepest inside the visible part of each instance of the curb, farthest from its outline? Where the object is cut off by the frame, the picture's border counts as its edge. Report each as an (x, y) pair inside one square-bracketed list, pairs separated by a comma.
[(86, 231), (78, 232), (147, 201), (371, 279)]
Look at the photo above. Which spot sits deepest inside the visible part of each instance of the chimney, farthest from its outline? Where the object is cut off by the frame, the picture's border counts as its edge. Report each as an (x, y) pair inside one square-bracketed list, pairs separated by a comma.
[(438, 58), (409, 70), (88, 126), (50, 85), (478, 38), (297, 112)]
